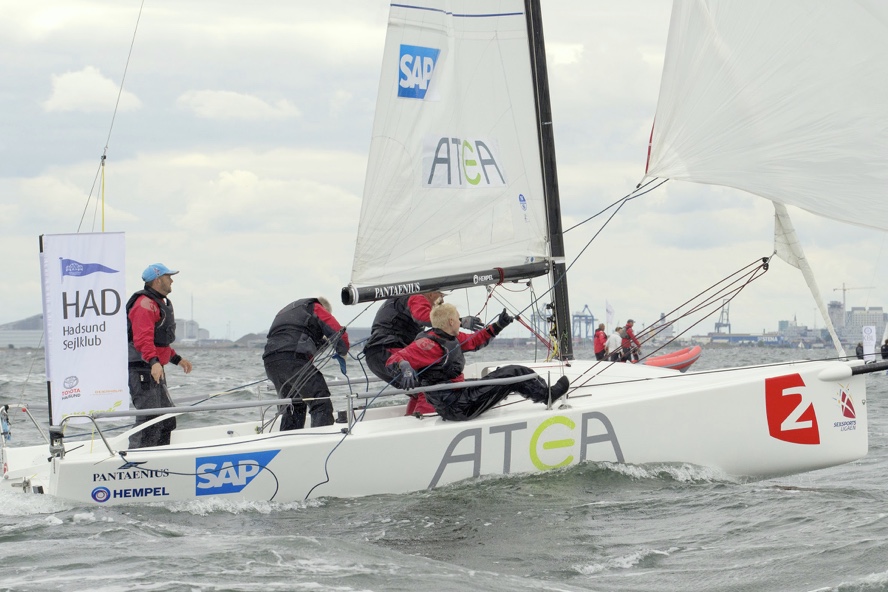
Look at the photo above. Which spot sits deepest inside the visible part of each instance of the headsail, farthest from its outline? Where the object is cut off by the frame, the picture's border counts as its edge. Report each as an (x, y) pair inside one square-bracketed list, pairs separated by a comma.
[(454, 181), (785, 100)]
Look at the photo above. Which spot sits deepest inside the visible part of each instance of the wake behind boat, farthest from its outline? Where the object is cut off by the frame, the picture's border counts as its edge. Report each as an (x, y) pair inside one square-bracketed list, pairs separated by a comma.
[(463, 124)]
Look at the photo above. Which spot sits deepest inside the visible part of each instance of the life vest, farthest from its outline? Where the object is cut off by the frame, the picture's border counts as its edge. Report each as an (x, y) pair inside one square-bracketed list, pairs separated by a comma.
[(394, 325), (295, 329), (451, 363), (165, 327)]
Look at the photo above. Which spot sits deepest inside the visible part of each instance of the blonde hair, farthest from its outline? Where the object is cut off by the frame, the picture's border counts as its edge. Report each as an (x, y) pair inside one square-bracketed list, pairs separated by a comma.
[(441, 313), (325, 303)]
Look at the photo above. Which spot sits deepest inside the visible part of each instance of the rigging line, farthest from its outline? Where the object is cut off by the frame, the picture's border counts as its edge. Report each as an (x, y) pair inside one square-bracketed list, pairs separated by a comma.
[(114, 113), (757, 262), (648, 333), (753, 275), (357, 316), (622, 202), (521, 320), (628, 197)]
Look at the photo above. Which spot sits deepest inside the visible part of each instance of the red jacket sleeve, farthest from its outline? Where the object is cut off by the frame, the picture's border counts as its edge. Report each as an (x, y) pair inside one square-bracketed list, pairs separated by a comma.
[(327, 319), (476, 340), (420, 309)]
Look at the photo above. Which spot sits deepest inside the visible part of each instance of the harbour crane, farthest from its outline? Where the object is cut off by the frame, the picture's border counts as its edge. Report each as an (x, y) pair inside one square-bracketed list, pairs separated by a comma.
[(844, 289)]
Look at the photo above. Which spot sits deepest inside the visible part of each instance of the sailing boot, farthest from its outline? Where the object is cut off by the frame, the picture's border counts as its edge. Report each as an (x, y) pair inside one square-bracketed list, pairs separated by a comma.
[(293, 418), (321, 413), (559, 388)]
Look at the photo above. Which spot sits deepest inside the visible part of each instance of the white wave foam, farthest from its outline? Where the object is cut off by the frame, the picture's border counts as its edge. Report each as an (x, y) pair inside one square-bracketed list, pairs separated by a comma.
[(684, 473), (621, 562), (875, 582), (213, 504), (15, 503)]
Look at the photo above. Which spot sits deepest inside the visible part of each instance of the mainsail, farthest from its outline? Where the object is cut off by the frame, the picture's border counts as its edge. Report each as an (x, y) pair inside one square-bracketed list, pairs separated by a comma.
[(454, 179), (785, 100)]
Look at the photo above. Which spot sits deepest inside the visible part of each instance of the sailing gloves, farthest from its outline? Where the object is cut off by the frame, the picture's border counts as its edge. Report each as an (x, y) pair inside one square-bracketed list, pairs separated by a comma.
[(471, 323), (502, 322), (408, 375)]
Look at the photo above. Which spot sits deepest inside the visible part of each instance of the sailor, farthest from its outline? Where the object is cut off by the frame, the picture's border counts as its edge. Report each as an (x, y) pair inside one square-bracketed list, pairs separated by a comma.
[(884, 350), (436, 357), (614, 345), (599, 342), (151, 330), (395, 326), (630, 353), (298, 331), (859, 350)]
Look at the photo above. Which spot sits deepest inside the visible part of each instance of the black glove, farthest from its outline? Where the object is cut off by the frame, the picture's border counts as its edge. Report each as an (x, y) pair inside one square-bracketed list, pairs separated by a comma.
[(471, 323), (408, 375), (341, 348), (504, 320)]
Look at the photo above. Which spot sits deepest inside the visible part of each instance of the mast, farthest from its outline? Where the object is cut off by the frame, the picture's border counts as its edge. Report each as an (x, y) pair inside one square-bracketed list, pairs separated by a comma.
[(558, 274)]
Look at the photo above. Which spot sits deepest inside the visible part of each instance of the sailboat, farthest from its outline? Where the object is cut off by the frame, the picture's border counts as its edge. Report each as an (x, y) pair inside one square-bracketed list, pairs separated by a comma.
[(461, 191)]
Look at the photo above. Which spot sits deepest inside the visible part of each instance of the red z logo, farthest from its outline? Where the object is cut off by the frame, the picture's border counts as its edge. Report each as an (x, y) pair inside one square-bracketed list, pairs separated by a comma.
[(789, 419)]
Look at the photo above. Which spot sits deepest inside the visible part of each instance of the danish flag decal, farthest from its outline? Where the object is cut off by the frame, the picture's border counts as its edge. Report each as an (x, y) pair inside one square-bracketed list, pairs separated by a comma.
[(789, 417), (847, 406)]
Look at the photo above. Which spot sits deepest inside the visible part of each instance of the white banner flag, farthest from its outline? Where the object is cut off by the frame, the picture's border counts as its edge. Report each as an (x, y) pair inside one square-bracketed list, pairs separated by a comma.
[(84, 321), (610, 314), (869, 344)]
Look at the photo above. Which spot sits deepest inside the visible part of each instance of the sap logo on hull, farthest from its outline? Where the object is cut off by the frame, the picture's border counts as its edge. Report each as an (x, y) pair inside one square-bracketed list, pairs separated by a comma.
[(416, 64), (229, 473)]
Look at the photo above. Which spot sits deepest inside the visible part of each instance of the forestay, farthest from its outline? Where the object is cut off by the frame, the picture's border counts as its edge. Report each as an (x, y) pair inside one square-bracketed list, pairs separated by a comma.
[(785, 100), (453, 179)]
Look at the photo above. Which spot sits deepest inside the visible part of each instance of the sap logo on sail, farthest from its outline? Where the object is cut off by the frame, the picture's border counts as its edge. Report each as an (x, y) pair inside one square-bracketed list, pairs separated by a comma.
[(416, 64), (450, 162), (229, 473), (791, 418)]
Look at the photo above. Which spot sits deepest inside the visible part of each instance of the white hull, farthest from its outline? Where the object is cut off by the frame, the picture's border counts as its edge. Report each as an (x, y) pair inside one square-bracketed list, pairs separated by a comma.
[(733, 421)]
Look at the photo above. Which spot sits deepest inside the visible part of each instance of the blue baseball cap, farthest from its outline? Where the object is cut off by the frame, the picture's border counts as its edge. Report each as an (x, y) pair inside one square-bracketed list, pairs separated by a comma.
[(155, 270)]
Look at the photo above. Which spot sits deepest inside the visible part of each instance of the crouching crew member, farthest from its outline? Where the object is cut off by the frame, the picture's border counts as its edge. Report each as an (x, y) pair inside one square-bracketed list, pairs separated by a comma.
[(296, 334), (397, 323), (436, 357)]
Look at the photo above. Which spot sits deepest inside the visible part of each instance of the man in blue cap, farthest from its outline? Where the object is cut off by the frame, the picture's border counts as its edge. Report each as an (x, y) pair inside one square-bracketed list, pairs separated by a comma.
[(151, 330)]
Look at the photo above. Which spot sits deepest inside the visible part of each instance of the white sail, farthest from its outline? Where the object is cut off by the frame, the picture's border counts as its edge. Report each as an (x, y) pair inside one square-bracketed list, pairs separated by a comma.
[(785, 100), (788, 248), (454, 179)]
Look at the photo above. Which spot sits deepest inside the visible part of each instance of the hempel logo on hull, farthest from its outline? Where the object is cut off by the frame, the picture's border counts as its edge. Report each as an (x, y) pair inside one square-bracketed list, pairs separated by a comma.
[(792, 418)]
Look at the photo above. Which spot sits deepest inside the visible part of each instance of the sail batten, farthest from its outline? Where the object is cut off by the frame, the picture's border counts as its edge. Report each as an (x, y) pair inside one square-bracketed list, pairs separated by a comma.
[(783, 100), (453, 180)]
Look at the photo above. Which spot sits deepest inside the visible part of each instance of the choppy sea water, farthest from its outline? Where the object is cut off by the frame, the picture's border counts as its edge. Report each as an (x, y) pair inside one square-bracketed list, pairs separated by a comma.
[(593, 527)]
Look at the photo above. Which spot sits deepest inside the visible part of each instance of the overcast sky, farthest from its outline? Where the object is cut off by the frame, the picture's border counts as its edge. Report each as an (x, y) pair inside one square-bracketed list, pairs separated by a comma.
[(239, 150)]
